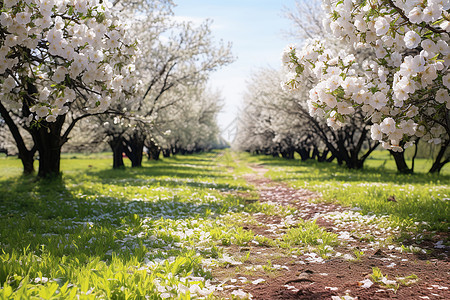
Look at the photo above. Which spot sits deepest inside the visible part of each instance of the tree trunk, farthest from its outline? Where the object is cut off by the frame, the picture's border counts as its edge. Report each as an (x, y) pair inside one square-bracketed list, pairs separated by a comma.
[(400, 162), (153, 151), (288, 154), (291, 153), (413, 159), (371, 148), (175, 150), (438, 164), (134, 152), (25, 155), (134, 148), (354, 162), (343, 155), (47, 138), (116, 144), (331, 158), (322, 157), (304, 154), (166, 153), (27, 159), (315, 154)]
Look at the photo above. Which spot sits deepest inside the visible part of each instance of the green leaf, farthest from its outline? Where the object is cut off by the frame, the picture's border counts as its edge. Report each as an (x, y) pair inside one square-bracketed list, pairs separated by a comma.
[(6, 292)]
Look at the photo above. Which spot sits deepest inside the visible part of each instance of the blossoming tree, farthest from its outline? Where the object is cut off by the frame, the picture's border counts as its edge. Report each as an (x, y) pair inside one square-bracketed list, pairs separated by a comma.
[(404, 90), (59, 59), (275, 121), (284, 124), (190, 125), (176, 54)]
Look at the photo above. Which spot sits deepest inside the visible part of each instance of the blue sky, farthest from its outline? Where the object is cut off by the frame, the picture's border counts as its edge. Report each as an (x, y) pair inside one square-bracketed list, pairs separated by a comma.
[(255, 28)]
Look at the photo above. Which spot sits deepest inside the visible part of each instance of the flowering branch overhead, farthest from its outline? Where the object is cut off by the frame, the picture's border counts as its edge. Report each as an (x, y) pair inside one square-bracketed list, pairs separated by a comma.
[(61, 48), (404, 87)]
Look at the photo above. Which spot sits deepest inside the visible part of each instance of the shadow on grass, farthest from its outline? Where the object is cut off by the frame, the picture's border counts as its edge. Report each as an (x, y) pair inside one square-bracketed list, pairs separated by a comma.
[(45, 218), (55, 228), (169, 174)]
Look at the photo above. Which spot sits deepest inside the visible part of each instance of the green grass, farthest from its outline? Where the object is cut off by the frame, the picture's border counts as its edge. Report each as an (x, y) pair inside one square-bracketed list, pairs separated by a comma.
[(311, 236), (383, 161), (158, 231), (118, 234)]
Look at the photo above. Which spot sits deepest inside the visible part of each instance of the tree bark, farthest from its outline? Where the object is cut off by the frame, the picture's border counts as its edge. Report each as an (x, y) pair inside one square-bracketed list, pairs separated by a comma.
[(416, 149), (116, 144), (153, 153), (288, 154), (322, 157), (153, 150), (315, 154), (27, 159), (25, 155), (166, 153), (400, 162), (331, 158), (304, 154), (47, 138), (134, 151), (438, 164)]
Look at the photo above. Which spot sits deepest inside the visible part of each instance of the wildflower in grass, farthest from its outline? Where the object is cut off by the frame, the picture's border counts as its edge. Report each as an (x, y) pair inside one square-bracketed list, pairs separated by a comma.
[(42, 280)]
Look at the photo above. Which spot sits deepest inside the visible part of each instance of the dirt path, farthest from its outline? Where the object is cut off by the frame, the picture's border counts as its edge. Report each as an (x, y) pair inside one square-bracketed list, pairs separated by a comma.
[(423, 273)]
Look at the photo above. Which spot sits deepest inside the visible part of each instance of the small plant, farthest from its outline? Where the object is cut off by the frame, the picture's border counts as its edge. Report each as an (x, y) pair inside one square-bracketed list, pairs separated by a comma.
[(377, 276), (358, 254), (309, 234), (265, 241), (412, 249), (268, 267), (245, 257), (225, 241), (367, 238), (408, 280), (242, 237)]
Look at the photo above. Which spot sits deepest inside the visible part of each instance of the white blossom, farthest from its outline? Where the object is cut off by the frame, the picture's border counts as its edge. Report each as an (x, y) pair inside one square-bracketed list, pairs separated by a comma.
[(392, 87)]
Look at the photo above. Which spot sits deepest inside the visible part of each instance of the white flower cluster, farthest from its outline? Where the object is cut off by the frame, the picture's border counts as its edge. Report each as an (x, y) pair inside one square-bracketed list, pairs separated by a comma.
[(403, 89), (64, 50)]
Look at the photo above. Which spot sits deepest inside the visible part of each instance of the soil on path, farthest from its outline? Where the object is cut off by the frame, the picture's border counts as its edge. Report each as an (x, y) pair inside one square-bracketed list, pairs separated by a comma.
[(346, 274)]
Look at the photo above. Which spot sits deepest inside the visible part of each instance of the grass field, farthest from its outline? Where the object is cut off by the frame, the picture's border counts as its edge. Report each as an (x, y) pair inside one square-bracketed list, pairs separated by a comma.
[(382, 161), (421, 198), (97, 232)]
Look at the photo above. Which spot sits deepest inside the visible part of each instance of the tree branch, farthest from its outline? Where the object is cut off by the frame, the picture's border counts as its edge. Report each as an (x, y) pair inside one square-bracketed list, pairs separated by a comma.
[(435, 30)]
